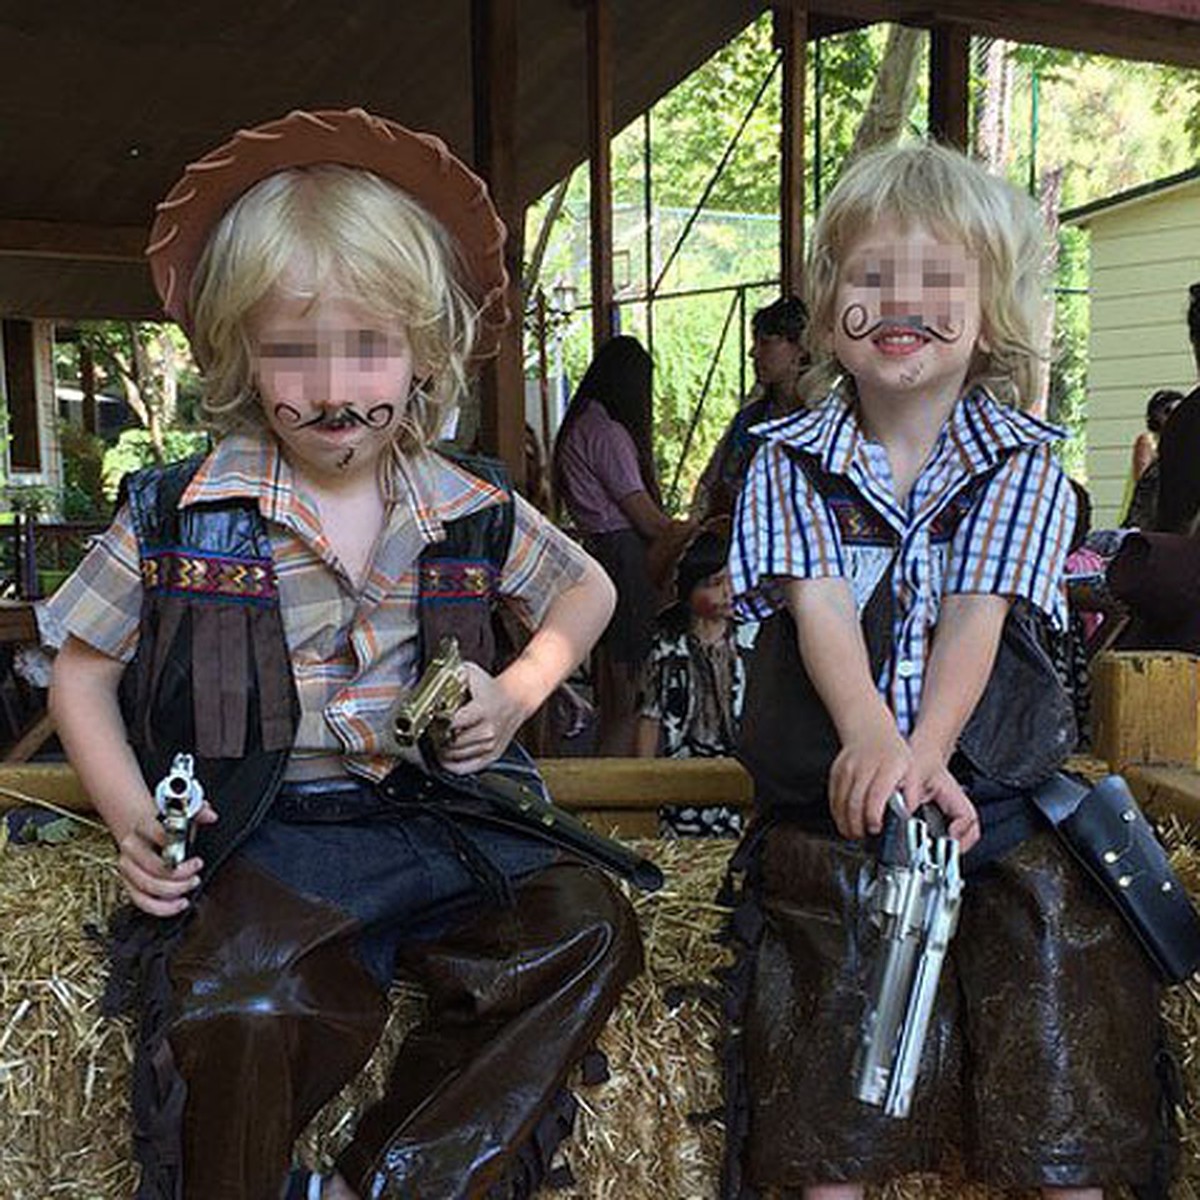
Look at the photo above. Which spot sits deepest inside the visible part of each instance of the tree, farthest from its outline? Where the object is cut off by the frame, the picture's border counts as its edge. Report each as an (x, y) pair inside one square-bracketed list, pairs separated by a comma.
[(890, 107), (148, 359)]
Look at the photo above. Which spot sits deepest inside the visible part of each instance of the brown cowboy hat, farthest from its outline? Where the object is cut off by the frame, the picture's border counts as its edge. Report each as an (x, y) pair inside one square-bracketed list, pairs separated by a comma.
[(419, 163)]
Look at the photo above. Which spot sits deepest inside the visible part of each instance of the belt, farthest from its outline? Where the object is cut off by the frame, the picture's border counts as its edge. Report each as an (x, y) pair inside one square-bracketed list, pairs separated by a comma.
[(340, 799)]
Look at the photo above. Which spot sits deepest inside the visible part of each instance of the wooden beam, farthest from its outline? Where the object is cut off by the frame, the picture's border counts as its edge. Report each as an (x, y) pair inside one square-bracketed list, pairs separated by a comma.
[(83, 243), (949, 78), (601, 785), (494, 74), (600, 134), (1097, 27), (791, 37)]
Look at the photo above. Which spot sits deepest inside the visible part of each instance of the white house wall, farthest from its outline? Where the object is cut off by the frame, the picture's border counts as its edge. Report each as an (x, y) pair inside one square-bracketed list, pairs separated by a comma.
[(1144, 255)]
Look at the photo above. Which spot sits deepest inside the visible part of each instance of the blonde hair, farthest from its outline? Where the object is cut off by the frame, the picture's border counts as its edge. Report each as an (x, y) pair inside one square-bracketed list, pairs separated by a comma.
[(941, 190), (357, 237)]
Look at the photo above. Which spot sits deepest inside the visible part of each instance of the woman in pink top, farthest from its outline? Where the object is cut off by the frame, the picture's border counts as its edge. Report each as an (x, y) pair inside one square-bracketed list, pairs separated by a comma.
[(604, 474)]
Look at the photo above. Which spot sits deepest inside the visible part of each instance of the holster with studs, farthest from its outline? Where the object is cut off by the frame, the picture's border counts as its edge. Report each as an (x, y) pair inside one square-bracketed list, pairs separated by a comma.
[(1106, 831)]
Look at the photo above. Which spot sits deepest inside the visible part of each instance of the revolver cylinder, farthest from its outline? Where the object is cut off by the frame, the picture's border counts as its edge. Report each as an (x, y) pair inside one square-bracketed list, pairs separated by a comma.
[(439, 693)]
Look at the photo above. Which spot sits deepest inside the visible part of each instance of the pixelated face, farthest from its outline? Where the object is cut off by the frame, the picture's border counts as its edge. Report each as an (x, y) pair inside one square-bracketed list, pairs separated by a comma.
[(712, 598), (907, 319), (776, 360), (333, 382)]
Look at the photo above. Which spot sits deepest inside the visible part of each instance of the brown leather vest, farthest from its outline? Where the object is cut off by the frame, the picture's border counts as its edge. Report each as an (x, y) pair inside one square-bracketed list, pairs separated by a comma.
[(212, 674), (1021, 731)]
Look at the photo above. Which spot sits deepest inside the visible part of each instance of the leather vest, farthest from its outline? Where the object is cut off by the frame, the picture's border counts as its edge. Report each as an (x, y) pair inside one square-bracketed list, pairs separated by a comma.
[(212, 673), (1021, 731)]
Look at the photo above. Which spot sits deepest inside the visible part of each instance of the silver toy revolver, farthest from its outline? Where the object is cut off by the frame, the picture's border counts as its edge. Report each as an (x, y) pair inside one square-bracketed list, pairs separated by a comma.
[(178, 797), (914, 899), (440, 693)]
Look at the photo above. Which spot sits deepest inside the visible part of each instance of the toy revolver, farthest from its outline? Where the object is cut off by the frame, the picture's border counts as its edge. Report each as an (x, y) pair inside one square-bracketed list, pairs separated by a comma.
[(178, 797), (915, 899), (440, 692)]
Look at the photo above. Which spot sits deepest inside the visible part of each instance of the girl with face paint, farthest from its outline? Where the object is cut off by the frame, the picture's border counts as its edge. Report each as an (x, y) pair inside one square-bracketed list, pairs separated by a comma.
[(693, 682), (902, 541), (339, 277)]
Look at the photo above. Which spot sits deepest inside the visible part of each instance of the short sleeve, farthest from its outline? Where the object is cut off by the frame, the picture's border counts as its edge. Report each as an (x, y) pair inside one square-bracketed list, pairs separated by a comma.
[(650, 683), (614, 460), (542, 563), (782, 528), (1014, 541), (101, 602)]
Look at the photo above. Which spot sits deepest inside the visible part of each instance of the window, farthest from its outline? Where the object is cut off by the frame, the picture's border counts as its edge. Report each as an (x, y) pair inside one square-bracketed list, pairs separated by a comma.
[(25, 444)]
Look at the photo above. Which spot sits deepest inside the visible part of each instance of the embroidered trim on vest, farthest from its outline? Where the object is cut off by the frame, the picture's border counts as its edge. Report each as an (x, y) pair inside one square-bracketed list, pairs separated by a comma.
[(188, 573), (858, 524), (457, 580)]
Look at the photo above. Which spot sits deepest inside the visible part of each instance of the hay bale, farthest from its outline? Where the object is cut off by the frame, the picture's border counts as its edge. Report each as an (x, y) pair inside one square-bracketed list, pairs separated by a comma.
[(63, 1117)]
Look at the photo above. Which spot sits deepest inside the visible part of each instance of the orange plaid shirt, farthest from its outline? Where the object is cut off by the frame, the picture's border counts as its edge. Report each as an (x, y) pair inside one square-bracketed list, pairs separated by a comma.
[(352, 648)]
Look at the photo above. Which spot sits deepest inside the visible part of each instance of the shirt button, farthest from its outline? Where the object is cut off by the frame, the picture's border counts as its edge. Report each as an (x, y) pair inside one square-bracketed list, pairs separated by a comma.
[(906, 668)]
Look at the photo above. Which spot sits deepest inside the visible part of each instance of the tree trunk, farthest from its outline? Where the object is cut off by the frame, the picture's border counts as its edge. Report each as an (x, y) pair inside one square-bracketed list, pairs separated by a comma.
[(991, 139), (1049, 194), (144, 381), (894, 92)]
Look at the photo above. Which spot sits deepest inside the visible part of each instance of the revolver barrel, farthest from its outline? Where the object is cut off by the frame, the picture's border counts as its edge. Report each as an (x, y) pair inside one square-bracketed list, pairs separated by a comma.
[(178, 797), (916, 901)]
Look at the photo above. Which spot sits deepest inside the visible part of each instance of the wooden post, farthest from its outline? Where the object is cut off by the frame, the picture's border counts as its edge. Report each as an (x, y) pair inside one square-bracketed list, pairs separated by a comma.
[(791, 36), (1146, 709), (494, 77), (949, 75), (600, 133)]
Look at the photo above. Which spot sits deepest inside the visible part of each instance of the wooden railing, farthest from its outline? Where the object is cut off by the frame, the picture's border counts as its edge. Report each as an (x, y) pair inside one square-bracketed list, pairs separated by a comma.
[(1147, 725)]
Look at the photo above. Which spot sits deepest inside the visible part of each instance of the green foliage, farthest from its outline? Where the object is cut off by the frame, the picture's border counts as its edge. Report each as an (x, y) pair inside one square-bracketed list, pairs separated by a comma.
[(1108, 124), (133, 451), (1178, 98), (1067, 400), (83, 496), (30, 499)]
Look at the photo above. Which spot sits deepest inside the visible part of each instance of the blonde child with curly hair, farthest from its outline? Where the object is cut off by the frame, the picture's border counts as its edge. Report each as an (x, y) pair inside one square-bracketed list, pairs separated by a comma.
[(260, 611), (903, 539)]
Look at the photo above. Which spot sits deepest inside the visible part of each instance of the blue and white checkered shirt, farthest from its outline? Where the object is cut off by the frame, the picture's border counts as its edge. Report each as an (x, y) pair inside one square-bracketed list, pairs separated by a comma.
[(1004, 534)]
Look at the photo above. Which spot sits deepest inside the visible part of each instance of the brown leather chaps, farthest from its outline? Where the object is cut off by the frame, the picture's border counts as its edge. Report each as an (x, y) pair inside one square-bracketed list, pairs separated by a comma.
[(274, 1012)]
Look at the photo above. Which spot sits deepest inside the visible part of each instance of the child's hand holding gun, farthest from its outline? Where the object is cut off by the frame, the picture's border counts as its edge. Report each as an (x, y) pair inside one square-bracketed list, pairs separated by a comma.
[(469, 715), (154, 863)]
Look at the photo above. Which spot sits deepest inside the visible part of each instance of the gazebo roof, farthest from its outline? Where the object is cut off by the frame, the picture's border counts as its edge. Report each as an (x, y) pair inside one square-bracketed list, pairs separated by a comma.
[(102, 102)]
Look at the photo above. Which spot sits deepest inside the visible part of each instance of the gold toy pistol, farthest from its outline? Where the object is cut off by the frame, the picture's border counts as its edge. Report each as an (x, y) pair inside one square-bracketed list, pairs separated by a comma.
[(178, 797), (440, 693)]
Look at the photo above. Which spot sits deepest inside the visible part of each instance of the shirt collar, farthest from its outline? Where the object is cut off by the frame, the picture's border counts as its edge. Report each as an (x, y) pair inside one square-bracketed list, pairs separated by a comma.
[(980, 429), (438, 490), (249, 464)]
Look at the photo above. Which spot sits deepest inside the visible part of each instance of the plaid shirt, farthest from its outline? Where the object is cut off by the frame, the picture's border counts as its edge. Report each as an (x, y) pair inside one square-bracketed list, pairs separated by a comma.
[(1012, 541), (352, 648)]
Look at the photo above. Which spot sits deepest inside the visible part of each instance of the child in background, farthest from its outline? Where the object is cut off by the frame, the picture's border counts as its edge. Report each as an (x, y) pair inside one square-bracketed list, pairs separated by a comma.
[(694, 680), (903, 543), (260, 611)]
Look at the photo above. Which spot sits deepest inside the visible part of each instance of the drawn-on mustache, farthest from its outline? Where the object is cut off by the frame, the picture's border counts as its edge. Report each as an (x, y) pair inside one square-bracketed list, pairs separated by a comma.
[(857, 326), (379, 416)]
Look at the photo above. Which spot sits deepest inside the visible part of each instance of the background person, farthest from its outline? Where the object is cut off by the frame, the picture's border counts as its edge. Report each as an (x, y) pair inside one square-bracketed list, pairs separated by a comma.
[(604, 474), (1141, 510), (694, 681), (779, 357)]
